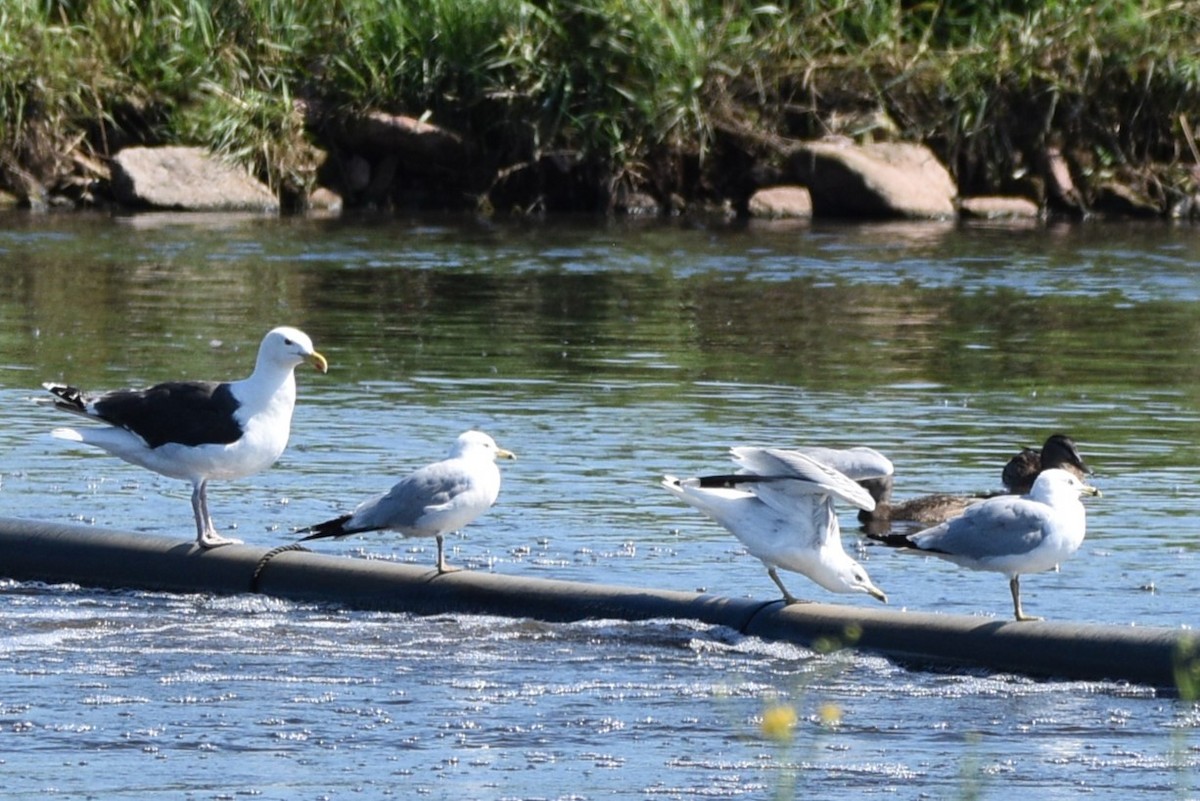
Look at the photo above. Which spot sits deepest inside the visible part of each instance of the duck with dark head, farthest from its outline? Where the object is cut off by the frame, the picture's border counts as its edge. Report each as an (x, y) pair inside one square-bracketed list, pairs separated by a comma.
[(1058, 451)]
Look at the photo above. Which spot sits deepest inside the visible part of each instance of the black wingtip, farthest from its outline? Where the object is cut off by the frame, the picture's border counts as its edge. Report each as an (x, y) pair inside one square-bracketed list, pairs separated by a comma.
[(733, 480), (890, 539), (69, 398), (330, 528)]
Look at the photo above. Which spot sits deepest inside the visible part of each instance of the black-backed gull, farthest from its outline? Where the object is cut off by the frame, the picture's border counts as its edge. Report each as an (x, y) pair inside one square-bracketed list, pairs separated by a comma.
[(196, 430)]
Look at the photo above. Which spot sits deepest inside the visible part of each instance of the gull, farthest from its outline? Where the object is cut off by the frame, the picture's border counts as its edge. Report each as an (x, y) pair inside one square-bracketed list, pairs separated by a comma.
[(199, 430), (436, 499), (1013, 534), (780, 505)]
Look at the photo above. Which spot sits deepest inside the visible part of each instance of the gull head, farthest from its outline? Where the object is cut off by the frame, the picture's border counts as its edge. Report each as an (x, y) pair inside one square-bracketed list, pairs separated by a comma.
[(847, 575), (476, 444), (286, 347), (1057, 484)]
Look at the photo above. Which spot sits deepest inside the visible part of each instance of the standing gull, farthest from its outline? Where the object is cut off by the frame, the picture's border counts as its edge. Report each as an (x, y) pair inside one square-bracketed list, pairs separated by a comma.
[(436, 499), (198, 430), (780, 505), (1013, 534)]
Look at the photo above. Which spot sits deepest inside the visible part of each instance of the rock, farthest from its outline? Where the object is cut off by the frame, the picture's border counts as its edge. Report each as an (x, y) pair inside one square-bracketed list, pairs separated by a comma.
[(188, 179), (885, 179), (780, 202), (998, 208), (324, 200)]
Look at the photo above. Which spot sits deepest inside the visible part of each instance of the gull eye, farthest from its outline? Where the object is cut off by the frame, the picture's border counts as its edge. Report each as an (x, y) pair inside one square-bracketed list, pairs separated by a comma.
[(287, 341)]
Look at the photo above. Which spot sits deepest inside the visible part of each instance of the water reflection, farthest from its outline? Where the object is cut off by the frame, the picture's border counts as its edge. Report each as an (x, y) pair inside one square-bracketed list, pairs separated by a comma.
[(514, 305)]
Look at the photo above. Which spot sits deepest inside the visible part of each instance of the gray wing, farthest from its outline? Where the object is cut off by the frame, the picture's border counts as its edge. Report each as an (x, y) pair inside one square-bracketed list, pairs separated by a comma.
[(810, 519), (805, 476), (404, 504), (825, 523), (858, 463), (1001, 526)]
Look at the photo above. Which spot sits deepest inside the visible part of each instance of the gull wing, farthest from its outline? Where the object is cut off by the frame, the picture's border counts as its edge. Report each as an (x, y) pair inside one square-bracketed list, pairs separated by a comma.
[(1001, 526), (788, 475), (808, 522), (859, 463), (404, 507)]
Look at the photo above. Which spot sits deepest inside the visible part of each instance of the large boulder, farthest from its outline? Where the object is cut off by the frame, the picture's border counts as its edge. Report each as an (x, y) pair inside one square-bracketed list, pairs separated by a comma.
[(187, 179), (884, 179)]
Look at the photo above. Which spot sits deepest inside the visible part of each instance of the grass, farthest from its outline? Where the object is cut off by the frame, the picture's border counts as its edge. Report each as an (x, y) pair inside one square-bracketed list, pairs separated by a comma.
[(656, 94)]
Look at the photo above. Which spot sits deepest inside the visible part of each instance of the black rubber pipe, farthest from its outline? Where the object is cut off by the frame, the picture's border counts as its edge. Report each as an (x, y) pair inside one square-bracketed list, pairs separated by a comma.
[(30, 550)]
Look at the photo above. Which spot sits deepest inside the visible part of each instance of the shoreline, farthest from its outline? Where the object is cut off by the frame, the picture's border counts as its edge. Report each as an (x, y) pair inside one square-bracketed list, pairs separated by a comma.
[(354, 182), (878, 111)]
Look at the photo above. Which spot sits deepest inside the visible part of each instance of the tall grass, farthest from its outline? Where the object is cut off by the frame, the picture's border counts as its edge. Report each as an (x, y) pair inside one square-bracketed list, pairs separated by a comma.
[(639, 87)]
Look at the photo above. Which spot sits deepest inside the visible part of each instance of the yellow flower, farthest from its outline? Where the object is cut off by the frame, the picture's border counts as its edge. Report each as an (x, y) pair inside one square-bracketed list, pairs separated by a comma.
[(778, 722), (830, 714)]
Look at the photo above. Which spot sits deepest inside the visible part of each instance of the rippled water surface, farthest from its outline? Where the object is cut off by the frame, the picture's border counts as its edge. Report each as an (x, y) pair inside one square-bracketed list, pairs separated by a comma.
[(604, 355)]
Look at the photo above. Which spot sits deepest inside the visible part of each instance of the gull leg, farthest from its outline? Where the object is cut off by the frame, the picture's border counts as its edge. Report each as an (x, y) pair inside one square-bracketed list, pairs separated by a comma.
[(442, 567), (206, 534), (198, 513), (1014, 585), (788, 598)]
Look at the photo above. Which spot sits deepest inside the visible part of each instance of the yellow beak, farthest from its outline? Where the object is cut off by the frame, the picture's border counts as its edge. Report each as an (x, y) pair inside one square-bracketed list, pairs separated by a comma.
[(318, 361)]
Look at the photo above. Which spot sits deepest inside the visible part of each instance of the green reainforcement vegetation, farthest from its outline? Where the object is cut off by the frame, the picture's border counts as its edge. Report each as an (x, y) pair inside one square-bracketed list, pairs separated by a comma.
[(675, 97)]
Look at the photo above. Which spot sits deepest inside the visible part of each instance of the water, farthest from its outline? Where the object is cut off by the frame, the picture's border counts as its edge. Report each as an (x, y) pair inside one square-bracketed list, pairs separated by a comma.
[(604, 355)]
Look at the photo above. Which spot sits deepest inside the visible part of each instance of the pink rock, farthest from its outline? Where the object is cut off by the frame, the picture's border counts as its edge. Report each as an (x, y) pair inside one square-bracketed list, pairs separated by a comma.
[(778, 202), (884, 179), (186, 179)]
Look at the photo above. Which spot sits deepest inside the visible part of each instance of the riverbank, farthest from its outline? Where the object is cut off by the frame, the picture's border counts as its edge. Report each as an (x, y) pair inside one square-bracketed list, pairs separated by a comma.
[(605, 105)]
